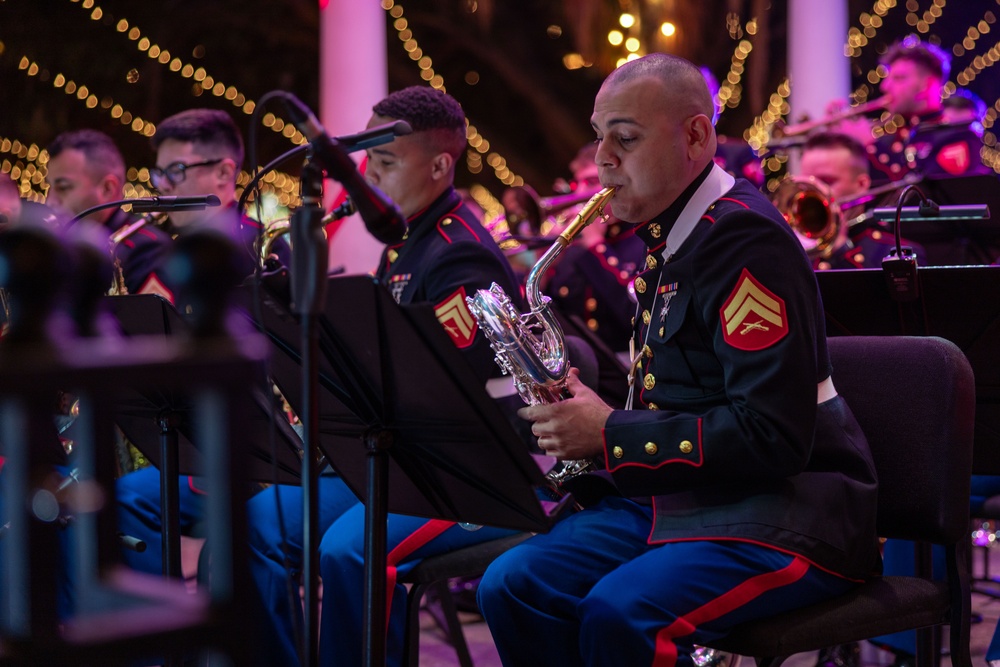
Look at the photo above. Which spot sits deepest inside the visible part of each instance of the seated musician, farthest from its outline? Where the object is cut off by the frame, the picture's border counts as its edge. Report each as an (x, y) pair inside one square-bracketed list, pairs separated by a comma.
[(198, 152), (738, 457), (85, 169), (446, 256), (839, 162), (919, 137)]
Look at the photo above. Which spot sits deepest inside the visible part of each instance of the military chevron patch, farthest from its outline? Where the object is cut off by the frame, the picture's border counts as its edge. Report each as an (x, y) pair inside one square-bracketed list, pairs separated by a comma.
[(753, 318)]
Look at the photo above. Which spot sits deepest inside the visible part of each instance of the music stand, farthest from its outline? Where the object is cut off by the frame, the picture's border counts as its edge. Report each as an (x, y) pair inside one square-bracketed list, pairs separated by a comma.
[(158, 422), (406, 423), (958, 242), (959, 303)]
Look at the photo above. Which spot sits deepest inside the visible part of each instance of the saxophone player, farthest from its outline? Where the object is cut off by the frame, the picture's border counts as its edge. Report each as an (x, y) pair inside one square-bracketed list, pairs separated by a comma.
[(732, 398)]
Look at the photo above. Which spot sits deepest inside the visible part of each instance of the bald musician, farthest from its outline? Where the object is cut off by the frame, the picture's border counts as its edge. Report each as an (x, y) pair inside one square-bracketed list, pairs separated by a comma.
[(733, 397)]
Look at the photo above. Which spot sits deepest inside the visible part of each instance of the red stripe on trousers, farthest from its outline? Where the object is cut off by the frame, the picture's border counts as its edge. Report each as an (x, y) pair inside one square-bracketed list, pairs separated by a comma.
[(413, 541), (666, 650)]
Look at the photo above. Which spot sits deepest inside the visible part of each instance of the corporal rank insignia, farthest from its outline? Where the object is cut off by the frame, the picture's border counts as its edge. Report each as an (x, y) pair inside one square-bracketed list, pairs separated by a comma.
[(454, 316), (398, 283), (154, 285), (753, 318), (667, 292), (954, 158)]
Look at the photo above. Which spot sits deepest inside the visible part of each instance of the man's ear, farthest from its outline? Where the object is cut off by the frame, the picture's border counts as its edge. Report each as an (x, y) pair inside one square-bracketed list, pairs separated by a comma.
[(699, 135), (110, 188), (227, 170), (441, 165)]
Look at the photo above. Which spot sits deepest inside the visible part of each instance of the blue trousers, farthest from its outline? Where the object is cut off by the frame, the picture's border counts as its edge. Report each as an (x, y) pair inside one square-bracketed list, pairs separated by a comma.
[(276, 567), (593, 592), (140, 515)]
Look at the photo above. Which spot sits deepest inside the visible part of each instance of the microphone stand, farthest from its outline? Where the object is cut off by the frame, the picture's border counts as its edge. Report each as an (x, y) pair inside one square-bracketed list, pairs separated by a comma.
[(308, 278)]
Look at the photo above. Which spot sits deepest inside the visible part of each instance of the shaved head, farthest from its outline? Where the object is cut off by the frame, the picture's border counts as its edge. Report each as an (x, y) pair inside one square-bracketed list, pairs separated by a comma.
[(684, 89)]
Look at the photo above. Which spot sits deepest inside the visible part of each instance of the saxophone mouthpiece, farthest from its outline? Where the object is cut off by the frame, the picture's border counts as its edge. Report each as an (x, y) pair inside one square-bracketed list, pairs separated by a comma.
[(590, 211)]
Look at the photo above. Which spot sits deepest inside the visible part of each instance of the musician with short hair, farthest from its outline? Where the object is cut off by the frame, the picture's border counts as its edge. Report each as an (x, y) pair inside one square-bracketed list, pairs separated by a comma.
[(738, 459), (918, 138), (198, 152), (85, 169), (445, 256), (840, 163)]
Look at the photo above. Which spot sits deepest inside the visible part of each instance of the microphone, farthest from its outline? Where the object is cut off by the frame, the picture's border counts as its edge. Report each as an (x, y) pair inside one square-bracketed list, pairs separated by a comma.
[(151, 204), (157, 204), (376, 136), (381, 216)]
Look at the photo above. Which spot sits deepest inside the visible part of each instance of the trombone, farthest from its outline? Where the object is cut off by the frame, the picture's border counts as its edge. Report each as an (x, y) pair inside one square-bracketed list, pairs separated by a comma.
[(806, 127)]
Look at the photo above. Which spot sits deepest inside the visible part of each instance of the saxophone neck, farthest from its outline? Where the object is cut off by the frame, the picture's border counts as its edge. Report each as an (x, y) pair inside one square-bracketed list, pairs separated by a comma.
[(590, 211)]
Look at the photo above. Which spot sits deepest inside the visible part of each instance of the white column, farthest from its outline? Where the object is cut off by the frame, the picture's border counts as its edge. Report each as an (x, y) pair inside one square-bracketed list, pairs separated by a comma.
[(353, 77), (818, 69)]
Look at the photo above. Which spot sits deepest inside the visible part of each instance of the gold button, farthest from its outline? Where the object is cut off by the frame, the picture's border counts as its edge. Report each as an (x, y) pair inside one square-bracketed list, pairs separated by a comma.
[(393, 255), (877, 235), (661, 330), (640, 285), (650, 262), (590, 304), (563, 291), (647, 351), (613, 261), (600, 248), (649, 381), (652, 406), (654, 230), (446, 222), (645, 317), (617, 451), (651, 448), (593, 324), (686, 447), (406, 235)]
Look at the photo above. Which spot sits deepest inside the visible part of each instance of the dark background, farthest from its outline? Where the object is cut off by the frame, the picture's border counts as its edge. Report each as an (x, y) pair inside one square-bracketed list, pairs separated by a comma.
[(532, 109)]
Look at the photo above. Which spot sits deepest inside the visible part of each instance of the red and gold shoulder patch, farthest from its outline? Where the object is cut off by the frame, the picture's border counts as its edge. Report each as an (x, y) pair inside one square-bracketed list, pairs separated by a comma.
[(753, 317), (154, 285), (453, 314), (954, 158)]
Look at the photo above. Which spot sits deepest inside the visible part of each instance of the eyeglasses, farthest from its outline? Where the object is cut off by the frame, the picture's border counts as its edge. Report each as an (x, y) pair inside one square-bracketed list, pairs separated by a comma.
[(175, 172)]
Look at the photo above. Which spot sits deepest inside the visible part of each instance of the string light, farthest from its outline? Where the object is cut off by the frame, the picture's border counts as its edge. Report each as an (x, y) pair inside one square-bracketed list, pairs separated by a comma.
[(730, 89), (202, 81), (81, 92), (479, 144)]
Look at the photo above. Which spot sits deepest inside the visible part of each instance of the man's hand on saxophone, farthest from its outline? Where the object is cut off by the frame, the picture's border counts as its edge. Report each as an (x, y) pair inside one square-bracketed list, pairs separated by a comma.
[(570, 429)]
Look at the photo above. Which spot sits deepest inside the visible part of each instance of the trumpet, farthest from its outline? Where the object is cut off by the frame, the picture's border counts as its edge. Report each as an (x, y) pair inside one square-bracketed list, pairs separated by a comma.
[(281, 227), (808, 126)]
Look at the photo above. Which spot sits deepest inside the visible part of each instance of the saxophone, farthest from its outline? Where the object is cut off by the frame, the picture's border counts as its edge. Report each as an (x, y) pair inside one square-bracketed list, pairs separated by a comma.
[(538, 364)]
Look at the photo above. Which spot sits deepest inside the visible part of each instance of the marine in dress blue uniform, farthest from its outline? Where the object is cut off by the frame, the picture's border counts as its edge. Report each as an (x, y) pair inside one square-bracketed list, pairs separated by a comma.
[(445, 256), (738, 462)]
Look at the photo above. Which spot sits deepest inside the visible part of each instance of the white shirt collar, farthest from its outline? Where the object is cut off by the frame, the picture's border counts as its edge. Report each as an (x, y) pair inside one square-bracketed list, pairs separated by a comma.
[(717, 183)]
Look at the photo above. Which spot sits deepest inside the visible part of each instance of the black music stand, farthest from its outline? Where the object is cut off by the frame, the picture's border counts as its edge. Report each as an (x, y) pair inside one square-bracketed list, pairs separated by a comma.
[(158, 422), (958, 242), (959, 303), (406, 423)]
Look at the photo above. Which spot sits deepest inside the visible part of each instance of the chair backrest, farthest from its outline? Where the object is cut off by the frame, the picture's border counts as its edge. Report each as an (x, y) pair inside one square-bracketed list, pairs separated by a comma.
[(914, 398)]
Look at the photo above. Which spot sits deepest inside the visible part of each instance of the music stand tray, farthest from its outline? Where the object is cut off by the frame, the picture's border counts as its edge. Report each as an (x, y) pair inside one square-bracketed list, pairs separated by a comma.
[(138, 412)]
